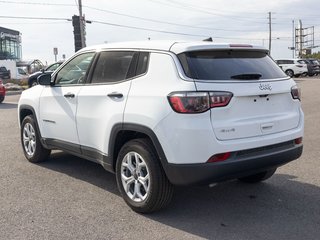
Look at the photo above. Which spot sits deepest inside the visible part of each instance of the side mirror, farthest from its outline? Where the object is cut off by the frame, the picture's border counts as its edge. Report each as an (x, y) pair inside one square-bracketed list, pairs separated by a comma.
[(45, 79)]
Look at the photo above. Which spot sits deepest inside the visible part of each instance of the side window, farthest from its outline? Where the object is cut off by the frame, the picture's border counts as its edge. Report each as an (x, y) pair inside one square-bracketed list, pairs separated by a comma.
[(114, 66), (143, 63), (53, 67), (74, 72)]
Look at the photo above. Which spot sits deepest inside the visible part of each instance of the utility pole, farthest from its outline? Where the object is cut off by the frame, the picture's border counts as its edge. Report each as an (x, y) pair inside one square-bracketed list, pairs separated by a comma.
[(301, 39), (83, 43), (269, 33), (293, 39)]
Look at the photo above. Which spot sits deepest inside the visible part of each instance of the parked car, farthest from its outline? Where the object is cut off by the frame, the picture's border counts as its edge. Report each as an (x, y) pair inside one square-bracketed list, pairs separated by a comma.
[(32, 81), (2, 91), (293, 67), (313, 67), (159, 114), (4, 73), (22, 74)]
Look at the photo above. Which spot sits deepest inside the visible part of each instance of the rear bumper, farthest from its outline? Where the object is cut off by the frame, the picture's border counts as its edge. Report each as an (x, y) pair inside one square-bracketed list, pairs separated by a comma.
[(242, 163)]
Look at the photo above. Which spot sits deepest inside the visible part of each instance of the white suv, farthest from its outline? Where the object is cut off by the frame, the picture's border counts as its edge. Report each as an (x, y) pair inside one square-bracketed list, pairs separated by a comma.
[(293, 67), (160, 114)]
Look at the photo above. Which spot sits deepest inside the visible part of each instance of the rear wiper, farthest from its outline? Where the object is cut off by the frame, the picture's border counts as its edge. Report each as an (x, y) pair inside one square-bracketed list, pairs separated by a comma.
[(247, 76)]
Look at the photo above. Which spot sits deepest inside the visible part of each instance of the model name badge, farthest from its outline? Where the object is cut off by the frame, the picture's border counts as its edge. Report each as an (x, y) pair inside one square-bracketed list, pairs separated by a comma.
[(228, 130), (265, 86)]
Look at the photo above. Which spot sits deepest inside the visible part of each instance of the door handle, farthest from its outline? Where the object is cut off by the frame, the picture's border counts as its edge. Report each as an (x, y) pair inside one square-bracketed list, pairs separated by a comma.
[(115, 95), (69, 95)]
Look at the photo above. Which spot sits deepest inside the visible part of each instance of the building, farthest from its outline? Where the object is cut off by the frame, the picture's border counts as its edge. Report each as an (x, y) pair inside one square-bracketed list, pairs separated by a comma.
[(10, 49), (10, 44)]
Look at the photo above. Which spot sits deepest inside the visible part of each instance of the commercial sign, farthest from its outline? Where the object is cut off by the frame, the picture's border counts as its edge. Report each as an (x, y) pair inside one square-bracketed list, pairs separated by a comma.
[(4, 35)]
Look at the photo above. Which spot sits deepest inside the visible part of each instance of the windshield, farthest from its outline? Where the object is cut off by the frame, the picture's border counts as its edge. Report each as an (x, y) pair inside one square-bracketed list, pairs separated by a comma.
[(229, 64)]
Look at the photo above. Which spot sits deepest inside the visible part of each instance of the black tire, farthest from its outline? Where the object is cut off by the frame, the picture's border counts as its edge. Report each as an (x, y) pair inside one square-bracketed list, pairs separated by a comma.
[(34, 152), (34, 83), (160, 190), (1, 98), (289, 72), (258, 177)]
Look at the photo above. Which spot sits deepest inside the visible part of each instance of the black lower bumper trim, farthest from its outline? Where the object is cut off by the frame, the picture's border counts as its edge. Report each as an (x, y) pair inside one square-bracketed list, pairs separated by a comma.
[(205, 173)]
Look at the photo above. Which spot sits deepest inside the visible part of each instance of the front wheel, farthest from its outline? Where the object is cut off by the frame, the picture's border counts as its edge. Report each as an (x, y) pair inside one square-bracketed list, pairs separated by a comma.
[(30, 140), (258, 177), (140, 177)]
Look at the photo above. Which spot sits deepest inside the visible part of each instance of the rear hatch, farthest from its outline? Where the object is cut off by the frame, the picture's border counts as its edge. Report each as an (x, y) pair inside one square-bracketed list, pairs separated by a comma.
[(261, 100)]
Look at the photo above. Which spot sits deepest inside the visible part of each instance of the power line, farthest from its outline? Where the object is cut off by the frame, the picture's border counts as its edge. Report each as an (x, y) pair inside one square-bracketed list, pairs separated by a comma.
[(159, 21), (37, 18), (39, 3), (130, 16), (206, 12), (149, 29), (29, 23), (217, 10), (107, 23)]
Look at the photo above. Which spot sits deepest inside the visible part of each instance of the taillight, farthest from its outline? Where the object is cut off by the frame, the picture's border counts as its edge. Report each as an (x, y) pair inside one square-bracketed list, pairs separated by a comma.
[(198, 102), (298, 140), (189, 102), (219, 99), (219, 157), (296, 93)]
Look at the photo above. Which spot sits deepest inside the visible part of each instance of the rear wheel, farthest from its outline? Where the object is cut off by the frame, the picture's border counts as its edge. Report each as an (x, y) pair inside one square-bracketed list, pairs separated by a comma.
[(289, 72), (34, 83), (30, 139), (140, 177), (258, 177)]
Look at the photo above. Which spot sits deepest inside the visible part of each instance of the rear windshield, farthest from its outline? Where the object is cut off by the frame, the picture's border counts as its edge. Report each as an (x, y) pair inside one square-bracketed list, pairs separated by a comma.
[(229, 65)]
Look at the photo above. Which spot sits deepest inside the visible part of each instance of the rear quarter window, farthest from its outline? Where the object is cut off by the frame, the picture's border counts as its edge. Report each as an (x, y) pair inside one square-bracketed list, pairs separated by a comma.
[(229, 65)]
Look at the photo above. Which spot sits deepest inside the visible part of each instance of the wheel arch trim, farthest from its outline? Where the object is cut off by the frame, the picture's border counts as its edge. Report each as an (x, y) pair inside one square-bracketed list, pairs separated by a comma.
[(31, 109), (122, 127)]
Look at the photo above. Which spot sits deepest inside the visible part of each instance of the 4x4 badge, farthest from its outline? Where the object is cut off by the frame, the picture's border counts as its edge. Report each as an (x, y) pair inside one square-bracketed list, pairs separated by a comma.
[(265, 86)]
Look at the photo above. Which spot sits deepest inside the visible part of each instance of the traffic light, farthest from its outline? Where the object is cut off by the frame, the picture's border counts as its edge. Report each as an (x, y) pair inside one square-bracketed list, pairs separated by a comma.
[(76, 32)]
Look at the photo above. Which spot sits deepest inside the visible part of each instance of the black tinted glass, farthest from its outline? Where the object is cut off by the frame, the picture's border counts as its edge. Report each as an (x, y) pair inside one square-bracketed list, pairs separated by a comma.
[(112, 67), (143, 63), (229, 64)]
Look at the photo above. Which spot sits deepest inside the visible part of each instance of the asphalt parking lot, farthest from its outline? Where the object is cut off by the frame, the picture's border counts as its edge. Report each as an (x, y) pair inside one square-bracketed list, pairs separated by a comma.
[(70, 198)]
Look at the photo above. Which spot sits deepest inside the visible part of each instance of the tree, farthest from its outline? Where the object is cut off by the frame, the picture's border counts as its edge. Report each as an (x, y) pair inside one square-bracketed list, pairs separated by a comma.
[(313, 55)]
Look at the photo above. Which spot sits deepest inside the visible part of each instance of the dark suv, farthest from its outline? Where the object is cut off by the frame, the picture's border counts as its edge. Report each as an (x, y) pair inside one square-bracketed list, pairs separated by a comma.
[(32, 81), (4, 73), (313, 67)]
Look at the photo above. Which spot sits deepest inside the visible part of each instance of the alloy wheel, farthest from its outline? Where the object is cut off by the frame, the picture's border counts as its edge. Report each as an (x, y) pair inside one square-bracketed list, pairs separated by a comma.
[(135, 177), (29, 139)]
